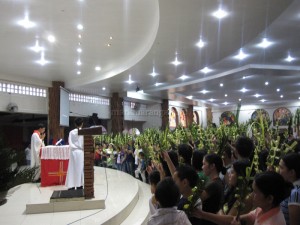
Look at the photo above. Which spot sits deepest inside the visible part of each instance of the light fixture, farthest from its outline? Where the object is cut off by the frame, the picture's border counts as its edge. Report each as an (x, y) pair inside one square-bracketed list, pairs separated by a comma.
[(97, 68), (204, 91), (225, 95), (42, 61), (79, 27), (299, 98), (262, 100), (78, 62), (289, 58), (183, 77), (212, 100), (200, 43), (153, 74), (221, 84), (108, 45), (79, 50), (244, 90), (51, 39), (79, 36), (244, 77), (206, 70), (220, 13), (157, 84), (225, 103), (129, 81), (281, 96), (240, 99), (37, 47), (103, 88), (26, 23), (257, 95), (78, 72), (110, 38), (241, 55), (176, 62), (189, 97), (266, 83), (265, 43)]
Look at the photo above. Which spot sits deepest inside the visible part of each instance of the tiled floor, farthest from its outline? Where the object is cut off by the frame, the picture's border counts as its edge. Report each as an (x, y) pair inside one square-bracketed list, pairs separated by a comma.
[(120, 191)]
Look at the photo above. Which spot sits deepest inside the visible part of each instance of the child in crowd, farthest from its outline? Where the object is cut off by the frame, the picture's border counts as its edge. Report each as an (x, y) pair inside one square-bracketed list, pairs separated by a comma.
[(140, 171), (167, 195), (154, 178)]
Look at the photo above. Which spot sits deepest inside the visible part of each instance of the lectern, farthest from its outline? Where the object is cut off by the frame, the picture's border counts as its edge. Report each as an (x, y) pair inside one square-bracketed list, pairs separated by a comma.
[(89, 159)]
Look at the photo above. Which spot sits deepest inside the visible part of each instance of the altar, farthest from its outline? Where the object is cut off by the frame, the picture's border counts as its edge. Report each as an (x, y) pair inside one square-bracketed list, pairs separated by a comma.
[(54, 165)]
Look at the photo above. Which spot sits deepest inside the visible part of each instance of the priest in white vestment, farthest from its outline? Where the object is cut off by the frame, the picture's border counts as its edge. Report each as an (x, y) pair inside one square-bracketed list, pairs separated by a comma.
[(37, 142), (75, 177)]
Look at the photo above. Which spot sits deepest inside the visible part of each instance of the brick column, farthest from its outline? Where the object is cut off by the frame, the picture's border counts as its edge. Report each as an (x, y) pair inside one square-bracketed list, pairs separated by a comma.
[(55, 131), (164, 114), (88, 167), (117, 114), (209, 116), (189, 115)]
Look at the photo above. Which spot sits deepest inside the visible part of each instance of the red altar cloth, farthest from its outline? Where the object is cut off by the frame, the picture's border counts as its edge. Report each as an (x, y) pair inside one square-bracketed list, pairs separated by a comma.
[(54, 165)]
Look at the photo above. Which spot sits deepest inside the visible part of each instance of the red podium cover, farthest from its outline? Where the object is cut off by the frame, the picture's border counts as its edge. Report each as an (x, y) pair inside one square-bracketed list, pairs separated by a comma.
[(54, 165)]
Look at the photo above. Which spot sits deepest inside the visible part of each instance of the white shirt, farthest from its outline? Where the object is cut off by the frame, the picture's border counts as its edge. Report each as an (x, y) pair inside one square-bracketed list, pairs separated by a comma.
[(169, 216)]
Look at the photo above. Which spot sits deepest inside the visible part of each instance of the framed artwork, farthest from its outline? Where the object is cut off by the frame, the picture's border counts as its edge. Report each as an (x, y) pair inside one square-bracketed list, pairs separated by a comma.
[(196, 117), (281, 116), (183, 118), (255, 114), (227, 118), (173, 118)]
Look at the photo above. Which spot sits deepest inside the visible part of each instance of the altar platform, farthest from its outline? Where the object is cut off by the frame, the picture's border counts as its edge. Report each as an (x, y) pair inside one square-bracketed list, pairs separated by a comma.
[(119, 199)]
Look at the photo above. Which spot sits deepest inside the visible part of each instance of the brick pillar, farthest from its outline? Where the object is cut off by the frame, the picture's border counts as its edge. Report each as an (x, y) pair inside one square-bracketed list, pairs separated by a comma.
[(189, 116), (88, 167), (117, 114), (209, 116), (55, 131), (164, 114)]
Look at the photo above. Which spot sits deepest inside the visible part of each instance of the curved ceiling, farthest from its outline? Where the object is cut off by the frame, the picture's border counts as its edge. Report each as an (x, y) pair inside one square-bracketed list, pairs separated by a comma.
[(147, 35)]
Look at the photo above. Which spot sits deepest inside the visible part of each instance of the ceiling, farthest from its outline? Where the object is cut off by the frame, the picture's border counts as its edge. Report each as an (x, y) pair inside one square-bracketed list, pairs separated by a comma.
[(136, 37)]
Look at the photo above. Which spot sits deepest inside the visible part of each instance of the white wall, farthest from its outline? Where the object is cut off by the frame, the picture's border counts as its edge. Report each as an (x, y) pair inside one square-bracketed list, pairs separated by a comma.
[(25, 103)]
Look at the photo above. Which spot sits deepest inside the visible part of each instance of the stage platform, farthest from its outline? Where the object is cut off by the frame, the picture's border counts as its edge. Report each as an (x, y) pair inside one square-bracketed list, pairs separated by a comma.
[(119, 199)]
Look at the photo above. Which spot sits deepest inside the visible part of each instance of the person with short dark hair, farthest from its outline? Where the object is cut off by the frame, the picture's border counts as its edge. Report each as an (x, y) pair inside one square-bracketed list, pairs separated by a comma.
[(37, 142), (75, 177), (289, 168), (185, 153), (244, 147), (154, 178), (167, 195)]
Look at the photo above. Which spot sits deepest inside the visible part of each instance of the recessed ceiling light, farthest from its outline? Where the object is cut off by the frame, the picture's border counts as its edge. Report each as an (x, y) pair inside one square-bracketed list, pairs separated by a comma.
[(265, 43), (42, 61), (244, 77), (206, 70), (153, 74), (78, 62), (26, 23), (78, 72), (103, 88), (204, 91), (189, 97), (240, 99), (257, 95), (37, 47), (266, 83), (79, 27), (299, 98), (157, 84), (277, 89), (79, 50), (241, 55), (244, 90), (200, 43), (262, 100), (176, 62), (212, 100), (221, 85), (220, 13), (225, 95), (108, 45), (51, 38), (225, 103), (289, 58), (281, 96), (129, 81), (110, 38), (97, 68), (183, 77), (79, 36)]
